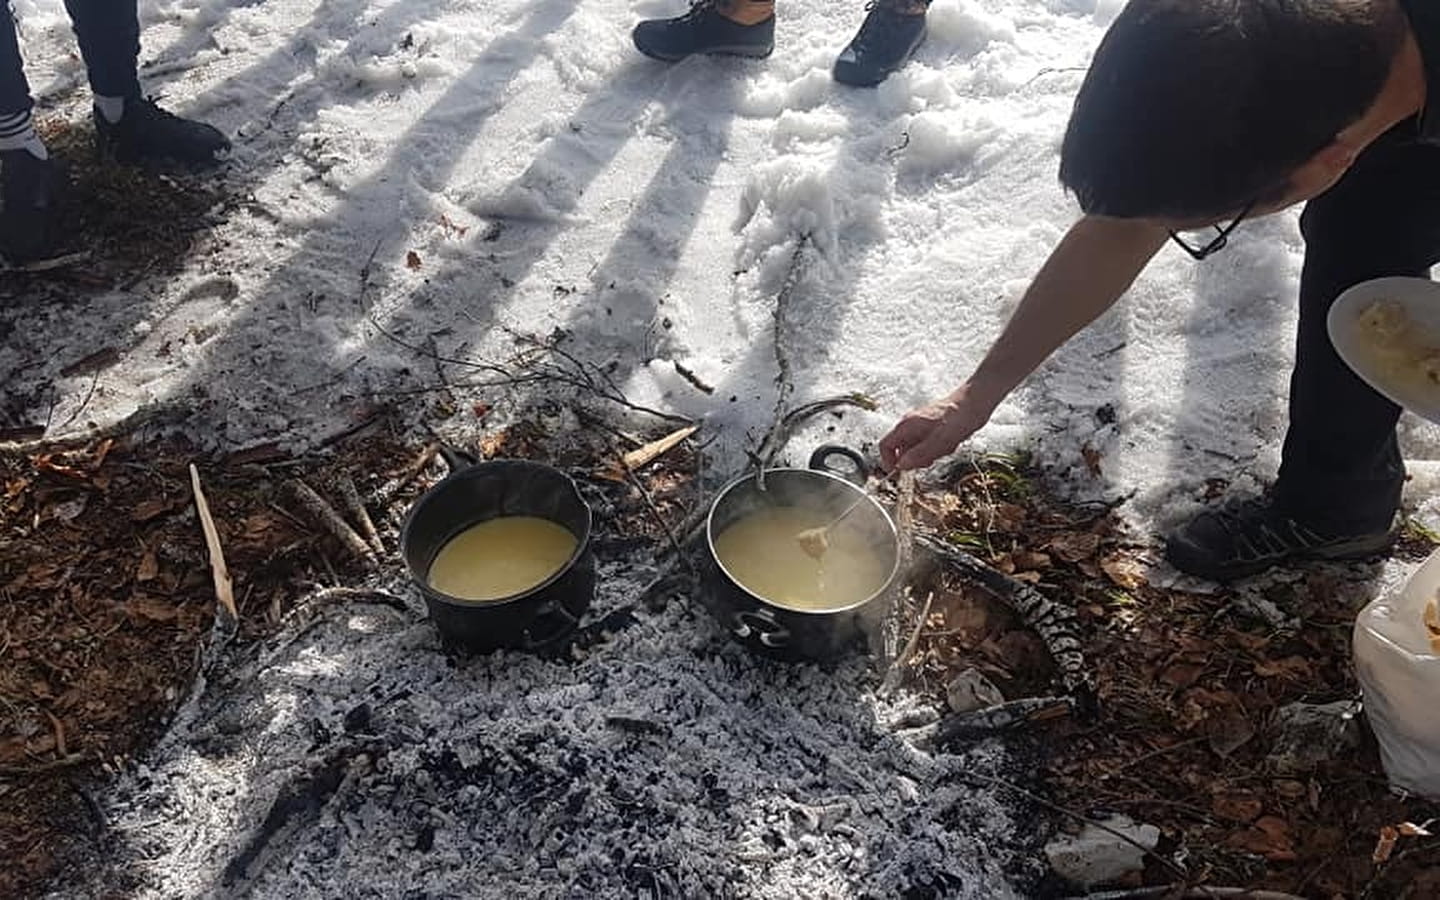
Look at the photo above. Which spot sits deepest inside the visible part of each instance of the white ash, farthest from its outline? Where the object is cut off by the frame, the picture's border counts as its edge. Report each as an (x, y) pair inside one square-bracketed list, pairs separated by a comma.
[(662, 761)]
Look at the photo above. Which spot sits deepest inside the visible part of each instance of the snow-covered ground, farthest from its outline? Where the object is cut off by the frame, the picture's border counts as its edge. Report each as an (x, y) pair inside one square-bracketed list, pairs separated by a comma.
[(546, 175)]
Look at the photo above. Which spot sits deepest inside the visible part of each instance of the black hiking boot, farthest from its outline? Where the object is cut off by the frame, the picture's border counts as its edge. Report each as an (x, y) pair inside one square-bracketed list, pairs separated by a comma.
[(31, 190), (703, 30), (1250, 536), (890, 33), (148, 134)]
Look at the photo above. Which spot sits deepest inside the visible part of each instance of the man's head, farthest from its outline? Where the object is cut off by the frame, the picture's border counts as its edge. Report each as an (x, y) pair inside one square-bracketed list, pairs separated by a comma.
[(1195, 109)]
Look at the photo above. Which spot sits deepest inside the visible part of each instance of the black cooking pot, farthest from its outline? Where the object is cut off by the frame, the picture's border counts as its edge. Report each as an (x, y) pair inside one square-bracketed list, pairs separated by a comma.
[(784, 632), (537, 620)]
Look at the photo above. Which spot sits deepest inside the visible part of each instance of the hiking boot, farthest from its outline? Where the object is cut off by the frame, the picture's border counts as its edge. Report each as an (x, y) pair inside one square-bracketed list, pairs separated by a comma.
[(30, 193), (1250, 536), (148, 134), (703, 30), (890, 33)]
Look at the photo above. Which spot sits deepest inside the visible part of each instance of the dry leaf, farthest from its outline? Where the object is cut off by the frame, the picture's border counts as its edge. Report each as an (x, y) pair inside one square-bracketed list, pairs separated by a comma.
[(1075, 546), (1296, 668), (412, 259), (1124, 570), (1236, 806), (149, 509), (152, 609), (1269, 837), (1028, 559), (1384, 845), (149, 566), (1183, 674), (1228, 731)]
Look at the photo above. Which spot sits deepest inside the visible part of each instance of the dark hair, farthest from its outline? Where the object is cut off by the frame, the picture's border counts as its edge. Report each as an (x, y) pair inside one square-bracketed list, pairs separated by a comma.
[(1197, 107)]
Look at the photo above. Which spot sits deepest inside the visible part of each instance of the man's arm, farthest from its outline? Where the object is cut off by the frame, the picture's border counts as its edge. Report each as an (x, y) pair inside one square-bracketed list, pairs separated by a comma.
[(1096, 262)]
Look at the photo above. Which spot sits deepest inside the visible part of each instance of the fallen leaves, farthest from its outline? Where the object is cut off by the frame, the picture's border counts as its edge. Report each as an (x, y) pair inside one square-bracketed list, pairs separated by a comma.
[(1269, 837), (1123, 569)]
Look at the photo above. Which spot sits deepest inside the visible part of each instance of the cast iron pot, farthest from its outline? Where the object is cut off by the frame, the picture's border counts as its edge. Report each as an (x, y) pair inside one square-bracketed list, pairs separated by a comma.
[(536, 620), (780, 631)]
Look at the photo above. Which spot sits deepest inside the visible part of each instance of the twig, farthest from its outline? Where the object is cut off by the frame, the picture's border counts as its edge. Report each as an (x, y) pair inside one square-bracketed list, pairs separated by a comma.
[(356, 507), (1151, 755), (94, 378), (74, 759), (325, 514), (386, 493), (896, 671), (654, 510), (45, 265), (59, 728), (691, 377), (1056, 808), (224, 593), (783, 384)]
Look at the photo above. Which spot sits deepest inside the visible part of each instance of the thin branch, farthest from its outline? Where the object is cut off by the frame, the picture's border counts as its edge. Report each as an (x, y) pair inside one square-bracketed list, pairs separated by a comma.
[(1056, 808)]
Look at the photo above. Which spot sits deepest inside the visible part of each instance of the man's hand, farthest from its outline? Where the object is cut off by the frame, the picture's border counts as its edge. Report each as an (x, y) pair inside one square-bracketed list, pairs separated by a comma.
[(924, 435)]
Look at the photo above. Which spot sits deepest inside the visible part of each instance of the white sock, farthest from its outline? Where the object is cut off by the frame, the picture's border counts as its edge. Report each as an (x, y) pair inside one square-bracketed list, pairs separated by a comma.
[(112, 108), (17, 133)]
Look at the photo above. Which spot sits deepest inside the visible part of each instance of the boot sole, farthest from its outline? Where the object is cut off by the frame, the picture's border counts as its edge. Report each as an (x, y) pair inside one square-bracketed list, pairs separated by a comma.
[(1359, 548), (741, 51)]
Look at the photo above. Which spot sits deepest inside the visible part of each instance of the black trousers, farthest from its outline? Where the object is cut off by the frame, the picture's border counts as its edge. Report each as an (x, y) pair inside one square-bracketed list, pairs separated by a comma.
[(1341, 467), (109, 35)]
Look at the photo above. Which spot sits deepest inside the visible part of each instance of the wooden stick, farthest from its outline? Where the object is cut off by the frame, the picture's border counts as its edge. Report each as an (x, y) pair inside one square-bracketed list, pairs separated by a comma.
[(351, 495), (54, 765), (641, 456), (325, 514), (1052, 622), (224, 592), (897, 668)]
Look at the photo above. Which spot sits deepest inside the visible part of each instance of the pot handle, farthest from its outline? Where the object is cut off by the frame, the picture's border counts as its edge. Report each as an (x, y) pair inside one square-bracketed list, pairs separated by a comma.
[(564, 624), (858, 472), (456, 458), (762, 626)]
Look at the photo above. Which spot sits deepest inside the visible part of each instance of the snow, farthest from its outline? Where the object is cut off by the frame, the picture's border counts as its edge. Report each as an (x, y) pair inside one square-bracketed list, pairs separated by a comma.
[(547, 176)]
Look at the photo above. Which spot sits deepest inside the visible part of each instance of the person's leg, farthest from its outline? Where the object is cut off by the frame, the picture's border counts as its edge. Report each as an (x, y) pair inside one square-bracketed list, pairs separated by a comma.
[(129, 127), (29, 182), (889, 35), (14, 91), (733, 27), (108, 32), (1341, 472)]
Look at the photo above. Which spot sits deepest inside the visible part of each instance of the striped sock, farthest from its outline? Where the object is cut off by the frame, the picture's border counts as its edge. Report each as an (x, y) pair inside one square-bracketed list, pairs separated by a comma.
[(17, 133)]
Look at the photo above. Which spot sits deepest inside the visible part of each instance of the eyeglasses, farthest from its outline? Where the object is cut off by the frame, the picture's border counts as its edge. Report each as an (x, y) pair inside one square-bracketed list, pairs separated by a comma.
[(1222, 236)]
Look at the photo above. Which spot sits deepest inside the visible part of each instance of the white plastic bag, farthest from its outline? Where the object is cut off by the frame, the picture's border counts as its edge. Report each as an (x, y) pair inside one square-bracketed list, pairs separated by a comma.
[(1397, 659)]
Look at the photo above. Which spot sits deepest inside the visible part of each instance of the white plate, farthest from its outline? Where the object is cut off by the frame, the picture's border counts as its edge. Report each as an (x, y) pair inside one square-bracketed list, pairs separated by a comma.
[(1420, 299)]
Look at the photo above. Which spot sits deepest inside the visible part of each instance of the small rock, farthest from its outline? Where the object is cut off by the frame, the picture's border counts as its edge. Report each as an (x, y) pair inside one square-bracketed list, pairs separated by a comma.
[(1306, 734), (1095, 856), (970, 690)]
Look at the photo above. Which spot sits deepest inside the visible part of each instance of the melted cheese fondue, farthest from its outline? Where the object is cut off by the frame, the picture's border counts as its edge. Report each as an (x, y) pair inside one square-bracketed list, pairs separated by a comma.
[(761, 552), (500, 558)]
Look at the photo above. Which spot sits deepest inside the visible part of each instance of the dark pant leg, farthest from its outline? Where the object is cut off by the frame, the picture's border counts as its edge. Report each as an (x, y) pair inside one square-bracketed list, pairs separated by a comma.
[(108, 32), (1341, 468), (14, 92)]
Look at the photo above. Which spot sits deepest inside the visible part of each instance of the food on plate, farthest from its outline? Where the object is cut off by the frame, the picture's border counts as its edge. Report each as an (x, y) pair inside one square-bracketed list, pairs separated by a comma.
[(1404, 356)]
